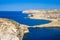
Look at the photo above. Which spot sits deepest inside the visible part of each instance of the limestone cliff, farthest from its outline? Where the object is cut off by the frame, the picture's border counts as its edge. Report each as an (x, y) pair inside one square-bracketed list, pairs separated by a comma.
[(11, 30)]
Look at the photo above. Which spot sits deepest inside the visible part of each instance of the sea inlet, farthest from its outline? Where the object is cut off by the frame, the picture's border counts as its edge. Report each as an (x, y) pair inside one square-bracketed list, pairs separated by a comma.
[(34, 33)]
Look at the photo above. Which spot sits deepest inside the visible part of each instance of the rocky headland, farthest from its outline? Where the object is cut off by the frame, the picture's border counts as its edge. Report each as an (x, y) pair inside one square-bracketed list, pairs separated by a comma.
[(11, 30)]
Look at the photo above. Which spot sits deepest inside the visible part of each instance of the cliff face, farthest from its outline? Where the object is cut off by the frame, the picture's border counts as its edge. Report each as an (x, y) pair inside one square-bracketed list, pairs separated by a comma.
[(11, 30)]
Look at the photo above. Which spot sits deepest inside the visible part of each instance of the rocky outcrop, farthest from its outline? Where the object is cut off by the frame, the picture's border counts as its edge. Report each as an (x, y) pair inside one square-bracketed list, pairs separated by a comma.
[(11, 30)]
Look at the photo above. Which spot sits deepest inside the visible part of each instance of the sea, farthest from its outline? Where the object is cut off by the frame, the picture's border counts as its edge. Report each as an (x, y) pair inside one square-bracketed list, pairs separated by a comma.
[(34, 33)]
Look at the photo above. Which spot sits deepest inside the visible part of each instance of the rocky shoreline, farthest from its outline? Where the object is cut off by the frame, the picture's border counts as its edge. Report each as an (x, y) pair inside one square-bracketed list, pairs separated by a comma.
[(52, 15), (11, 30)]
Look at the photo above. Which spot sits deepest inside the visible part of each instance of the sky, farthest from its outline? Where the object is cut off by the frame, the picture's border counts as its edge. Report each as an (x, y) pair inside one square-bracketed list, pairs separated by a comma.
[(19, 5)]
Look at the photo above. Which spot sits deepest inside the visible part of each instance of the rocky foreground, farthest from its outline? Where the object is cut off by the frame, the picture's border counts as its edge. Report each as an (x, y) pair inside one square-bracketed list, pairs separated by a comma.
[(11, 30), (52, 15)]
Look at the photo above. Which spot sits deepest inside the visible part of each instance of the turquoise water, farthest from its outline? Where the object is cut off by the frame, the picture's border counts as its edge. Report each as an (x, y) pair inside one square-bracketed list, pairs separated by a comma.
[(35, 33)]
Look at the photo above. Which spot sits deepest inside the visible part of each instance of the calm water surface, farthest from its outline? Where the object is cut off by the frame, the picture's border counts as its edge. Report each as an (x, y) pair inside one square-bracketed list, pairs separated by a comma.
[(42, 34), (20, 17), (35, 33)]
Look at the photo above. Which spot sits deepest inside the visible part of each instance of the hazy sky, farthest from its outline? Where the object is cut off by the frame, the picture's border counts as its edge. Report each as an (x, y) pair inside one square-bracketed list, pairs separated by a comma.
[(16, 5)]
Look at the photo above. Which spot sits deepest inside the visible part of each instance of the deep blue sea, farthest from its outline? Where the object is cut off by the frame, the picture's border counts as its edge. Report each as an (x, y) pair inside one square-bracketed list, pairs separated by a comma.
[(35, 33)]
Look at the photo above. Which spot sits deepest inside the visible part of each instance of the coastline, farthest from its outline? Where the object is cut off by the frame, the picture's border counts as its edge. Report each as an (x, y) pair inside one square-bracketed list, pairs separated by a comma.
[(52, 15)]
